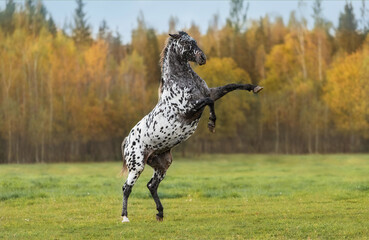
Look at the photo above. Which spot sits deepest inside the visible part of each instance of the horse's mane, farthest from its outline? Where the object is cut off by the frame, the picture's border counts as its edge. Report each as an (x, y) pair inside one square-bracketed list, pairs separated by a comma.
[(163, 54), (164, 51), (167, 43)]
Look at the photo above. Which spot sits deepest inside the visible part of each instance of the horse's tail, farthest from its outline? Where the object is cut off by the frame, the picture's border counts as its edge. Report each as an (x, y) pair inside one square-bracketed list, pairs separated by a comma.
[(124, 168)]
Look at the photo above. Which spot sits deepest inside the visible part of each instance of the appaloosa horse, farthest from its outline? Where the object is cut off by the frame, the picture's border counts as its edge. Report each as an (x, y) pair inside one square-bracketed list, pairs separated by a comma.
[(183, 95)]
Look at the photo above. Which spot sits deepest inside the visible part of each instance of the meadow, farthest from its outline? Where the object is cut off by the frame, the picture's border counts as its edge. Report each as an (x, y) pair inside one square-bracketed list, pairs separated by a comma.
[(205, 197)]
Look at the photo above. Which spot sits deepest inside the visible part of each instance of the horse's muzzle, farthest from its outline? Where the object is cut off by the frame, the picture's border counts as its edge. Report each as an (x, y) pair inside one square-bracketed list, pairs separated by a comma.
[(200, 58)]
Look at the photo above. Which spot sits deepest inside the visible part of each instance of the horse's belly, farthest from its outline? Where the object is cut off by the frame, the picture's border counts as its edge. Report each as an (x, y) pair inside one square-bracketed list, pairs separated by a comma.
[(168, 132)]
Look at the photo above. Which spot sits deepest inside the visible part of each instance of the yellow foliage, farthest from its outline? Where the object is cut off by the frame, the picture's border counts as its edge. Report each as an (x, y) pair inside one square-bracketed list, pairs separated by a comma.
[(56, 95), (347, 92)]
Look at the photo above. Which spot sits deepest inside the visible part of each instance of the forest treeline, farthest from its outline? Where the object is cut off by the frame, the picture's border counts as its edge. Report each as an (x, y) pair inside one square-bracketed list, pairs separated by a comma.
[(67, 95)]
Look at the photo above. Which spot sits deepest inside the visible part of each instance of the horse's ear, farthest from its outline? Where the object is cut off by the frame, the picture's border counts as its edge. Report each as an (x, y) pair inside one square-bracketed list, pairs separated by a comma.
[(175, 36)]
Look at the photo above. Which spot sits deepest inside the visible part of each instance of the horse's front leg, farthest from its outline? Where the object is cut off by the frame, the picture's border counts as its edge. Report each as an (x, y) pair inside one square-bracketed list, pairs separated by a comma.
[(197, 109), (212, 118), (218, 92)]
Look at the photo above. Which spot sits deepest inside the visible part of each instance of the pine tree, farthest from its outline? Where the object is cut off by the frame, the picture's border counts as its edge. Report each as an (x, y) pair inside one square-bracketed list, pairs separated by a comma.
[(81, 31), (318, 14), (347, 19), (173, 22), (364, 21), (348, 38), (103, 30), (51, 26), (6, 17), (116, 47), (238, 15), (36, 17)]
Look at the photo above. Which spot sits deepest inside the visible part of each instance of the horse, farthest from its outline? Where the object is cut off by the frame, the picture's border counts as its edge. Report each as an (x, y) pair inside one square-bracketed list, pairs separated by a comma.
[(183, 96)]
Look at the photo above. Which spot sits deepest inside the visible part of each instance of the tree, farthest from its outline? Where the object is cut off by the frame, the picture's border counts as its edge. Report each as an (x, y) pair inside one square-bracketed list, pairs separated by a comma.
[(145, 43), (116, 48), (364, 20), (212, 46), (151, 56), (6, 17), (51, 26), (318, 14), (81, 31), (347, 37), (103, 30), (238, 15), (347, 94), (173, 22), (133, 71), (35, 14)]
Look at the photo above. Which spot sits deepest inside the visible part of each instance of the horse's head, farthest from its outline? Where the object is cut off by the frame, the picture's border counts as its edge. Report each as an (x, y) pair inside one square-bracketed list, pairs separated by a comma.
[(187, 48)]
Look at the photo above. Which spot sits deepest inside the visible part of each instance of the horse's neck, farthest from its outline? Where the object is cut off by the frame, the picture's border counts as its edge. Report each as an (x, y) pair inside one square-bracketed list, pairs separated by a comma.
[(173, 66), (179, 75), (175, 70)]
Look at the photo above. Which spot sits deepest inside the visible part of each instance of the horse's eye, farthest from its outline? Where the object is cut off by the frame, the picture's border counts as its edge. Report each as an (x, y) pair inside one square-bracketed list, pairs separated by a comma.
[(187, 47)]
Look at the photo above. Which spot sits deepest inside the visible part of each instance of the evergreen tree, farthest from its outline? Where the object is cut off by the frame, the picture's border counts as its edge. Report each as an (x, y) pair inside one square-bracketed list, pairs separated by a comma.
[(103, 30), (238, 15), (6, 17), (364, 21), (51, 26), (173, 22), (116, 47), (151, 56), (348, 39), (318, 14), (36, 17), (81, 31), (347, 19)]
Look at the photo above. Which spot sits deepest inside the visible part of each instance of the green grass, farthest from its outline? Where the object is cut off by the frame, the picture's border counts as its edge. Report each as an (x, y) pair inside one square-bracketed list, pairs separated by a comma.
[(208, 197)]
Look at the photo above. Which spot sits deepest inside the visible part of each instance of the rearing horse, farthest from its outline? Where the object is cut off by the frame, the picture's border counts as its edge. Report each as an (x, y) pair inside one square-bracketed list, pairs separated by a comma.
[(183, 95)]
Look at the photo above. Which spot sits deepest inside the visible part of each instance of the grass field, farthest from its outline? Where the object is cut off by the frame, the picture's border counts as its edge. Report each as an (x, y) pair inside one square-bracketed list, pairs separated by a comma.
[(208, 197)]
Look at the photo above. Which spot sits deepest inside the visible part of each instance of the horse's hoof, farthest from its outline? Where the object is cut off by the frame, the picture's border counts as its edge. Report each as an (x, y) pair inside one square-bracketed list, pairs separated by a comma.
[(211, 127), (257, 89), (125, 219), (159, 219)]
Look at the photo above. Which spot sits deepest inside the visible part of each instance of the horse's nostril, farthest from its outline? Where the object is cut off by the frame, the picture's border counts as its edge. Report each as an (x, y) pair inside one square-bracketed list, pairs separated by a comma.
[(203, 57)]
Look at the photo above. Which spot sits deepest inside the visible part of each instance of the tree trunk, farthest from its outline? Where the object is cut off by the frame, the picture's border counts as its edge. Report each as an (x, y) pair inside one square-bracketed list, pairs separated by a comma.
[(310, 150), (17, 150), (286, 141), (301, 50), (325, 140), (36, 154), (316, 138), (277, 132), (43, 147), (320, 71), (260, 136), (9, 143)]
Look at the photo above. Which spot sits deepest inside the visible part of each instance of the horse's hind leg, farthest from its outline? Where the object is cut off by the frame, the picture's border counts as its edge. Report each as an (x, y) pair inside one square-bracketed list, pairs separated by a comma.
[(160, 163), (134, 172)]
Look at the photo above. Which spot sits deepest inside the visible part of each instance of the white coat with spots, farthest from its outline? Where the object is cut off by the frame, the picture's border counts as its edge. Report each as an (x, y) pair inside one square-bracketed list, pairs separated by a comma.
[(183, 95)]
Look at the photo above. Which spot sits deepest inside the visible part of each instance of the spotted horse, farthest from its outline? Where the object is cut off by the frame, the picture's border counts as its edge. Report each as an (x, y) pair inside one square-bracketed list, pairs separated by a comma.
[(183, 95)]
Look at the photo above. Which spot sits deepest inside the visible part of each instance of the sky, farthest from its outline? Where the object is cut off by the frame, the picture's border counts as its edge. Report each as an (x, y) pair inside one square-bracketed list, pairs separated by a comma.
[(122, 15)]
